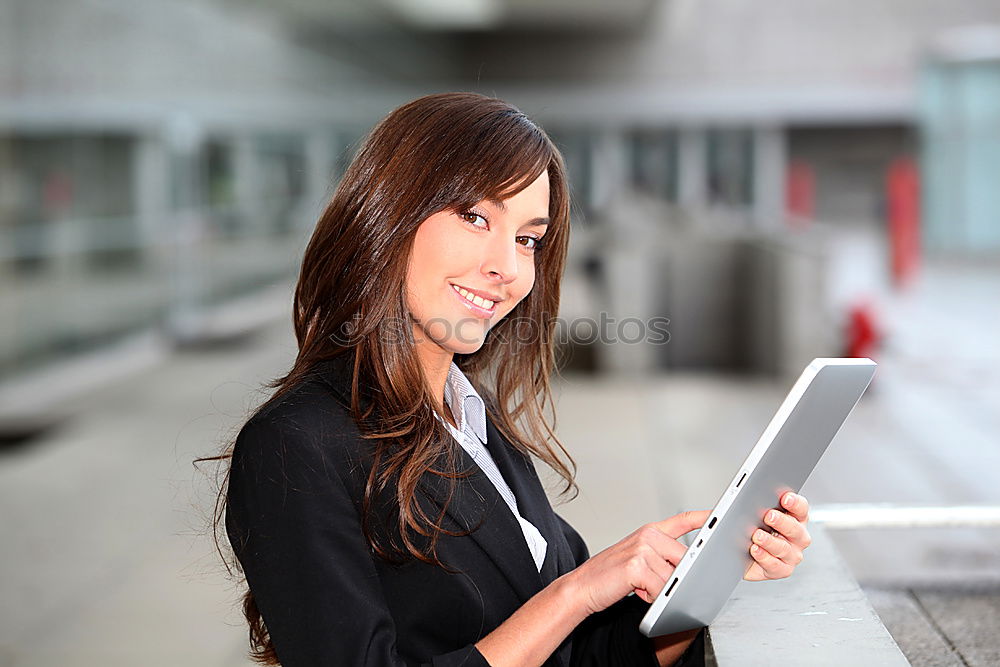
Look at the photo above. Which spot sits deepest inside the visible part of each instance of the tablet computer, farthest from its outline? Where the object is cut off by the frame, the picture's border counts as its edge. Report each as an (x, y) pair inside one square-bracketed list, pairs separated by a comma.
[(784, 456)]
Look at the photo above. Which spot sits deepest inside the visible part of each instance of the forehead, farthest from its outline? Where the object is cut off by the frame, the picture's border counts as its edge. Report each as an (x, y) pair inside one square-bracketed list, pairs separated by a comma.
[(534, 194)]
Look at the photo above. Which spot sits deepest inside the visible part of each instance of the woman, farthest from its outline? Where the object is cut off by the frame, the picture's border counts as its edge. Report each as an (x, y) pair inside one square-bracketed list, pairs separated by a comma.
[(382, 503)]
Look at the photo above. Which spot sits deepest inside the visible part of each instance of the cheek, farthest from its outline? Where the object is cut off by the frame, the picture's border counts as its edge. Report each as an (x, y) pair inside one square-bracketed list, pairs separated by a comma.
[(526, 279), (438, 251), (417, 288), (424, 257)]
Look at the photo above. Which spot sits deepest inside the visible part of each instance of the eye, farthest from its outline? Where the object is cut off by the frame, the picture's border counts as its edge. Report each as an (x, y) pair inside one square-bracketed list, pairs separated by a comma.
[(531, 242), (471, 217)]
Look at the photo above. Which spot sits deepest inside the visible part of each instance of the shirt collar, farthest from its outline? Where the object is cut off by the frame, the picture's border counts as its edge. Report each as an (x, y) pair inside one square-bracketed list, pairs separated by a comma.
[(466, 404)]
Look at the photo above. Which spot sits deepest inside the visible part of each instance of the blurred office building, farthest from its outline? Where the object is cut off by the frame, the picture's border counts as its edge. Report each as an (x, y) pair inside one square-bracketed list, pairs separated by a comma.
[(780, 180), (163, 162)]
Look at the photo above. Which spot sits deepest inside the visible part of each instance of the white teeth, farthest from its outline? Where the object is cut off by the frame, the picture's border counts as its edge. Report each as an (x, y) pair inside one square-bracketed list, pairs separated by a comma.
[(478, 300)]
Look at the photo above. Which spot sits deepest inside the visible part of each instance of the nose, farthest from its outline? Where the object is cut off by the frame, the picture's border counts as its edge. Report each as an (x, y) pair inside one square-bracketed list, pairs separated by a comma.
[(500, 262)]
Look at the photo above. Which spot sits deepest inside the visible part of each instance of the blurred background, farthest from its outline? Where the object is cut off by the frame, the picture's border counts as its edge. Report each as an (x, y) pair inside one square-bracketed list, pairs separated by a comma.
[(782, 180)]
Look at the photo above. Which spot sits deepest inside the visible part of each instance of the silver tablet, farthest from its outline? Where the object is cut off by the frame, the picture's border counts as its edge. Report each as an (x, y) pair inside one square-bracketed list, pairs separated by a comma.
[(784, 456)]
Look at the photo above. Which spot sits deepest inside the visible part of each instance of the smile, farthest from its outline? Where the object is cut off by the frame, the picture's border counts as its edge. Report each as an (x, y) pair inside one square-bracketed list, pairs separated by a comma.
[(480, 306)]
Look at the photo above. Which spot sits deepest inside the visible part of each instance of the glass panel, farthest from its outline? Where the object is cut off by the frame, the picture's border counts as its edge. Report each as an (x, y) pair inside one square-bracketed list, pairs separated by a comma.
[(75, 268), (653, 162), (576, 147), (252, 236), (730, 167)]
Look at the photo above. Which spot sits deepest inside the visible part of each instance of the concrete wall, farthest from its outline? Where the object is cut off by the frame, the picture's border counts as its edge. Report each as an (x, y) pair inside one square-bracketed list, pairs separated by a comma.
[(125, 59), (729, 59)]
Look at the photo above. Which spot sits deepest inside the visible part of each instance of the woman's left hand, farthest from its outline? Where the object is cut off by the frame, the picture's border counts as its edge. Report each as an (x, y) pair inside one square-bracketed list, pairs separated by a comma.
[(776, 553)]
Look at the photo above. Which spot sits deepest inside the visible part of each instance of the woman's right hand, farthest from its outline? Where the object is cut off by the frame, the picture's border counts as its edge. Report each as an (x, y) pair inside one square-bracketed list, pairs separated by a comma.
[(642, 562)]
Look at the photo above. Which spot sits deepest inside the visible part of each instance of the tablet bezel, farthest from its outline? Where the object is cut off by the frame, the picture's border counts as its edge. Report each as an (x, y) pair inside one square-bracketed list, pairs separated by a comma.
[(785, 454)]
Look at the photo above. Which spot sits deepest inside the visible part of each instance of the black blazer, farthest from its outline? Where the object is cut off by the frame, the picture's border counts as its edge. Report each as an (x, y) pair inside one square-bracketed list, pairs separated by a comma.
[(293, 519)]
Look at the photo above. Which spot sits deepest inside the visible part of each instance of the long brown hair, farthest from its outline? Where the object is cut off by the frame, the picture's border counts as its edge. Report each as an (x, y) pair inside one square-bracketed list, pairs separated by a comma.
[(438, 152)]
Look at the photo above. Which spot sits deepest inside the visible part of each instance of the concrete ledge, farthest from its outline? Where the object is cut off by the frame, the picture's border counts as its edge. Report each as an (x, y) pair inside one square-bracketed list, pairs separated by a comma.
[(35, 400), (233, 317), (819, 616), (40, 398)]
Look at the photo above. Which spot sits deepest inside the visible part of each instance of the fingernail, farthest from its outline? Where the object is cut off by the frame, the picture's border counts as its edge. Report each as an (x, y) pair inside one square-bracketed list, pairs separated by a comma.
[(771, 516), (755, 549), (789, 499), (758, 536)]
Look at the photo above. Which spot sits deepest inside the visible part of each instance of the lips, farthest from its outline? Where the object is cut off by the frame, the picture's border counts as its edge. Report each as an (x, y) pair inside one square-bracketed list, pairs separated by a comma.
[(478, 302)]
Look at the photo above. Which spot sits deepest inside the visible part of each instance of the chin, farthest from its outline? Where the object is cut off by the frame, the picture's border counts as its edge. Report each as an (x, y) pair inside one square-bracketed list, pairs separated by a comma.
[(466, 347)]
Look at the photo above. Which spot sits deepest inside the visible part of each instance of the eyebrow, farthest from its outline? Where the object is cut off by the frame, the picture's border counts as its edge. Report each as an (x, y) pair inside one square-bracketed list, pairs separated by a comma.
[(535, 222)]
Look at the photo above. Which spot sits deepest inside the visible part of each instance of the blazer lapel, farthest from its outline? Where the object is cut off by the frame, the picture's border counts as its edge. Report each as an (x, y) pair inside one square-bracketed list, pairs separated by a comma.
[(475, 505), (533, 504)]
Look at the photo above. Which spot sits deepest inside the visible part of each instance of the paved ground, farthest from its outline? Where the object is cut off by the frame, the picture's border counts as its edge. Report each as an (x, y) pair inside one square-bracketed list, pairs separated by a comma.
[(106, 559)]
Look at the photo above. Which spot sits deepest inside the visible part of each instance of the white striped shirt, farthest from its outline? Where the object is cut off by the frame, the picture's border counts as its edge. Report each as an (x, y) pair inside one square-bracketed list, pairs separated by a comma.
[(469, 411)]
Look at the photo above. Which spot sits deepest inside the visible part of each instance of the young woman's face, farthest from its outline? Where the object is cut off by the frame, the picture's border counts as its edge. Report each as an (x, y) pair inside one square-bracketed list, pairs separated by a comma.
[(469, 269)]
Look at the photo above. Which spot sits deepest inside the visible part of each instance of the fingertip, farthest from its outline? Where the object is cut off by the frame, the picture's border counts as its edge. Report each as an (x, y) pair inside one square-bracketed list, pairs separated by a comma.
[(698, 516)]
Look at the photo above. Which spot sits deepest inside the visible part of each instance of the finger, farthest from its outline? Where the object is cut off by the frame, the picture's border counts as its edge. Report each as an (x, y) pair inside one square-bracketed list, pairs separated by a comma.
[(662, 572), (778, 547), (648, 573), (683, 523), (643, 595), (774, 568), (754, 572), (653, 584), (667, 548), (796, 505), (789, 527)]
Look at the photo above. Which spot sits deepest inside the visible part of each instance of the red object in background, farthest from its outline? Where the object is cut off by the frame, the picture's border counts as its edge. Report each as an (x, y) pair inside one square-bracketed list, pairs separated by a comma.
[(57, 192), (863, 335), (903, 211), (800, 193)]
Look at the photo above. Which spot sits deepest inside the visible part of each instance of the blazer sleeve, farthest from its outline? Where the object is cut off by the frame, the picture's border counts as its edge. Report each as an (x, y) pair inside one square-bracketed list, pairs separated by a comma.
[(612, 637), (297, 534)]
